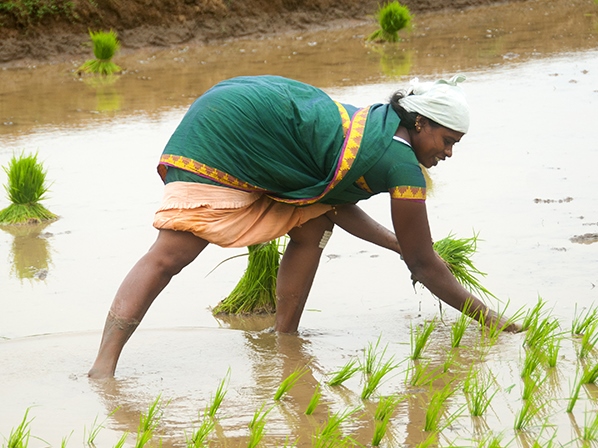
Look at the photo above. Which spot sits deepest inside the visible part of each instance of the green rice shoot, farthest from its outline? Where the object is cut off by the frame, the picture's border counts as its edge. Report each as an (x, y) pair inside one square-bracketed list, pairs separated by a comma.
[(19, 436), (199, 437), (290, 381), (314, 400), (419, 338), (436, 407), (257, 427), (457, 254), (373, 380), (219, 395), (344, 373), (583, 320), (384, 410), (392, 18), (105, 45), (25, 189), (148, 423), (460, 325), (255, 293)]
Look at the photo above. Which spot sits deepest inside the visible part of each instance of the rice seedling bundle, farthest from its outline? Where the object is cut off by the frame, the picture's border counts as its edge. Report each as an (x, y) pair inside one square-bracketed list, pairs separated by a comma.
[(256, 291), (392, 18), (25, 189), (105, 45), (457, 254)]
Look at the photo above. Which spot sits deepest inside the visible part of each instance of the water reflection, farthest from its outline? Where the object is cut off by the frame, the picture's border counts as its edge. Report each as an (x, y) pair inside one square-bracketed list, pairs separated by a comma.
[(30, 251), (155, 80), (108, 97)]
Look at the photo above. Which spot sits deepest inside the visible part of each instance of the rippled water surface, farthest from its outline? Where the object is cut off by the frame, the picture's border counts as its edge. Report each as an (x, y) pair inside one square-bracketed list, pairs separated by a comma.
[(524, 178)]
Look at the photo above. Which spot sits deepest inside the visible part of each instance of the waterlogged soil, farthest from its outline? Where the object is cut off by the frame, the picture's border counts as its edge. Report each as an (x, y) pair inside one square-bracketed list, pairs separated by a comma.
[(523, 178)]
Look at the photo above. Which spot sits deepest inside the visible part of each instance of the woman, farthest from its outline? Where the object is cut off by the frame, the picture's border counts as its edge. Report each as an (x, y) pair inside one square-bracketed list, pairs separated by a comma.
[(255, 158)]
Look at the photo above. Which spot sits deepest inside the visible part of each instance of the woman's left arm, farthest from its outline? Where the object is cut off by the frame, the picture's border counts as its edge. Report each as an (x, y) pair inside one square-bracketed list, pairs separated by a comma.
[(358, 223), (410, 221)]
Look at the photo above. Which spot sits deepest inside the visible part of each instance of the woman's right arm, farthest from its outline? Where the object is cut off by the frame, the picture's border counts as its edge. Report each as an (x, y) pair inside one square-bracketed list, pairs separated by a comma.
[(410, 221)]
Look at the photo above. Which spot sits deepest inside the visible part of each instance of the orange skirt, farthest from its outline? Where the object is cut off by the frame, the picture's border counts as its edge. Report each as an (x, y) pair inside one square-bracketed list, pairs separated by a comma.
[(228, 217)]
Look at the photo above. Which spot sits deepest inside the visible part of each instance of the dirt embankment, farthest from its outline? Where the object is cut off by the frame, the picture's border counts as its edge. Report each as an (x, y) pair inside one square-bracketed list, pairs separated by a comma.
[(142, 23)]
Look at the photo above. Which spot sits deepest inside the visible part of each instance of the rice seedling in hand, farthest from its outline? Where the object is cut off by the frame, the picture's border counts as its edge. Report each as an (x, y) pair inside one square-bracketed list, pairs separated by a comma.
[(436, 407), (288, 383), (420, 337), (476, 388), (148, 423), (219, 395), (330, 434), (257, 427), (19, 436), (457, 254), (392, 18), (491, 329), (384, 410), (460, 325), (583, 320), (346, 372), (25, 189), (105, 45), (256, 290), (314, 401)]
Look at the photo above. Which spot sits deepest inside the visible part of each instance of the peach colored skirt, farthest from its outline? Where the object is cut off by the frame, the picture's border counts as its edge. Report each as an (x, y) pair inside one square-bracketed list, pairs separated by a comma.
[(228, 217)]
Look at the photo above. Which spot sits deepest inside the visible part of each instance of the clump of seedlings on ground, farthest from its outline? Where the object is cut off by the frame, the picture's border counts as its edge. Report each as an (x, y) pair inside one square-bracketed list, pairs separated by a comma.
[(392, 18), (105, 45), (255, 292), (26, 188)]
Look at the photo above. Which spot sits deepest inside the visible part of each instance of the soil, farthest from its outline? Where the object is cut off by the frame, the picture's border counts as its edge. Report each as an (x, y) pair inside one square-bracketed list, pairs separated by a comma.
[(163, 23)]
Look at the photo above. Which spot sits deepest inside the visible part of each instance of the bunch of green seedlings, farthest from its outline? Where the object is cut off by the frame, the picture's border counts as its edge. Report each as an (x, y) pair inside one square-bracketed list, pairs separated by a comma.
[(479, 386), (457, 254), (25, 189), (105, 45), (392, 18), (255, 292)]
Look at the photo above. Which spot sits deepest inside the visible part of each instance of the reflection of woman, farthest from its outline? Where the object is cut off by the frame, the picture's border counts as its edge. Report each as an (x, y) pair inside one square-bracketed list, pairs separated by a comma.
[(255, 158)]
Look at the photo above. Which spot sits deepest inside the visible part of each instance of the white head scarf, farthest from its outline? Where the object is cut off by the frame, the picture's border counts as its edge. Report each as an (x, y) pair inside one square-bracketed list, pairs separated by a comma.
[(442, 101)]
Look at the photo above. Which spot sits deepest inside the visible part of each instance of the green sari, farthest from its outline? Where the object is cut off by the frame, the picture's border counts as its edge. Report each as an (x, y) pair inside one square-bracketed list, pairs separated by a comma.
[(281, 137)]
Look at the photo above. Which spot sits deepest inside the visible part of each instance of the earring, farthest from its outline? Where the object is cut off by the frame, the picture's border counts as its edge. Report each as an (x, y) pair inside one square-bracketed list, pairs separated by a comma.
[(418, 126)]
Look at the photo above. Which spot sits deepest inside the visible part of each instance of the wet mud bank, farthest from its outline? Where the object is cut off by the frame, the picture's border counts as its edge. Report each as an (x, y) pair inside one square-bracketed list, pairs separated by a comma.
[(157, 23)]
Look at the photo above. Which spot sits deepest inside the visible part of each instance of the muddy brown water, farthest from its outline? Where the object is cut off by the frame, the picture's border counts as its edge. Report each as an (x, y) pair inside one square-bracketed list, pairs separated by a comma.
[(524, 178)]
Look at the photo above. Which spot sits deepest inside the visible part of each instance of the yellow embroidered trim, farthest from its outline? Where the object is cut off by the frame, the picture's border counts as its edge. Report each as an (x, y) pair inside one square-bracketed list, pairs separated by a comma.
[(208, 172), (407, 192), (345, 118), (346, 159), (361, 183)]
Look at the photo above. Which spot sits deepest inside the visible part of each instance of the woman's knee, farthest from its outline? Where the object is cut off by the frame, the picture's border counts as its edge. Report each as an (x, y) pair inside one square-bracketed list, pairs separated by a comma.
[(174, 250)]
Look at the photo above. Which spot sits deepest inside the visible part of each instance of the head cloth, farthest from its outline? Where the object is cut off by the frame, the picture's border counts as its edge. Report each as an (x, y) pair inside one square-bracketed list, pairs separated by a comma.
[(442, 101)]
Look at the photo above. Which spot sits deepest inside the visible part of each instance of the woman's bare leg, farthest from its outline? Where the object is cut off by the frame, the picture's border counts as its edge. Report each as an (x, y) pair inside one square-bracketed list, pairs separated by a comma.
[(297, 272), (171, 252)]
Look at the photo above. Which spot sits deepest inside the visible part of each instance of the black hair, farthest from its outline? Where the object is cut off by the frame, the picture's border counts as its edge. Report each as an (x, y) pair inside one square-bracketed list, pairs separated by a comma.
[(407, 118)]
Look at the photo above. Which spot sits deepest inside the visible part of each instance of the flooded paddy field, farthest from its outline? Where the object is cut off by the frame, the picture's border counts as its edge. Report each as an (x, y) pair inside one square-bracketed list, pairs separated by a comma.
[(524, 178)]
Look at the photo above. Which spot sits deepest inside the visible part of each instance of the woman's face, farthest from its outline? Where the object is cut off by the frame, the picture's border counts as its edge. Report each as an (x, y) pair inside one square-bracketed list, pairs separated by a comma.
[(432, 144)]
